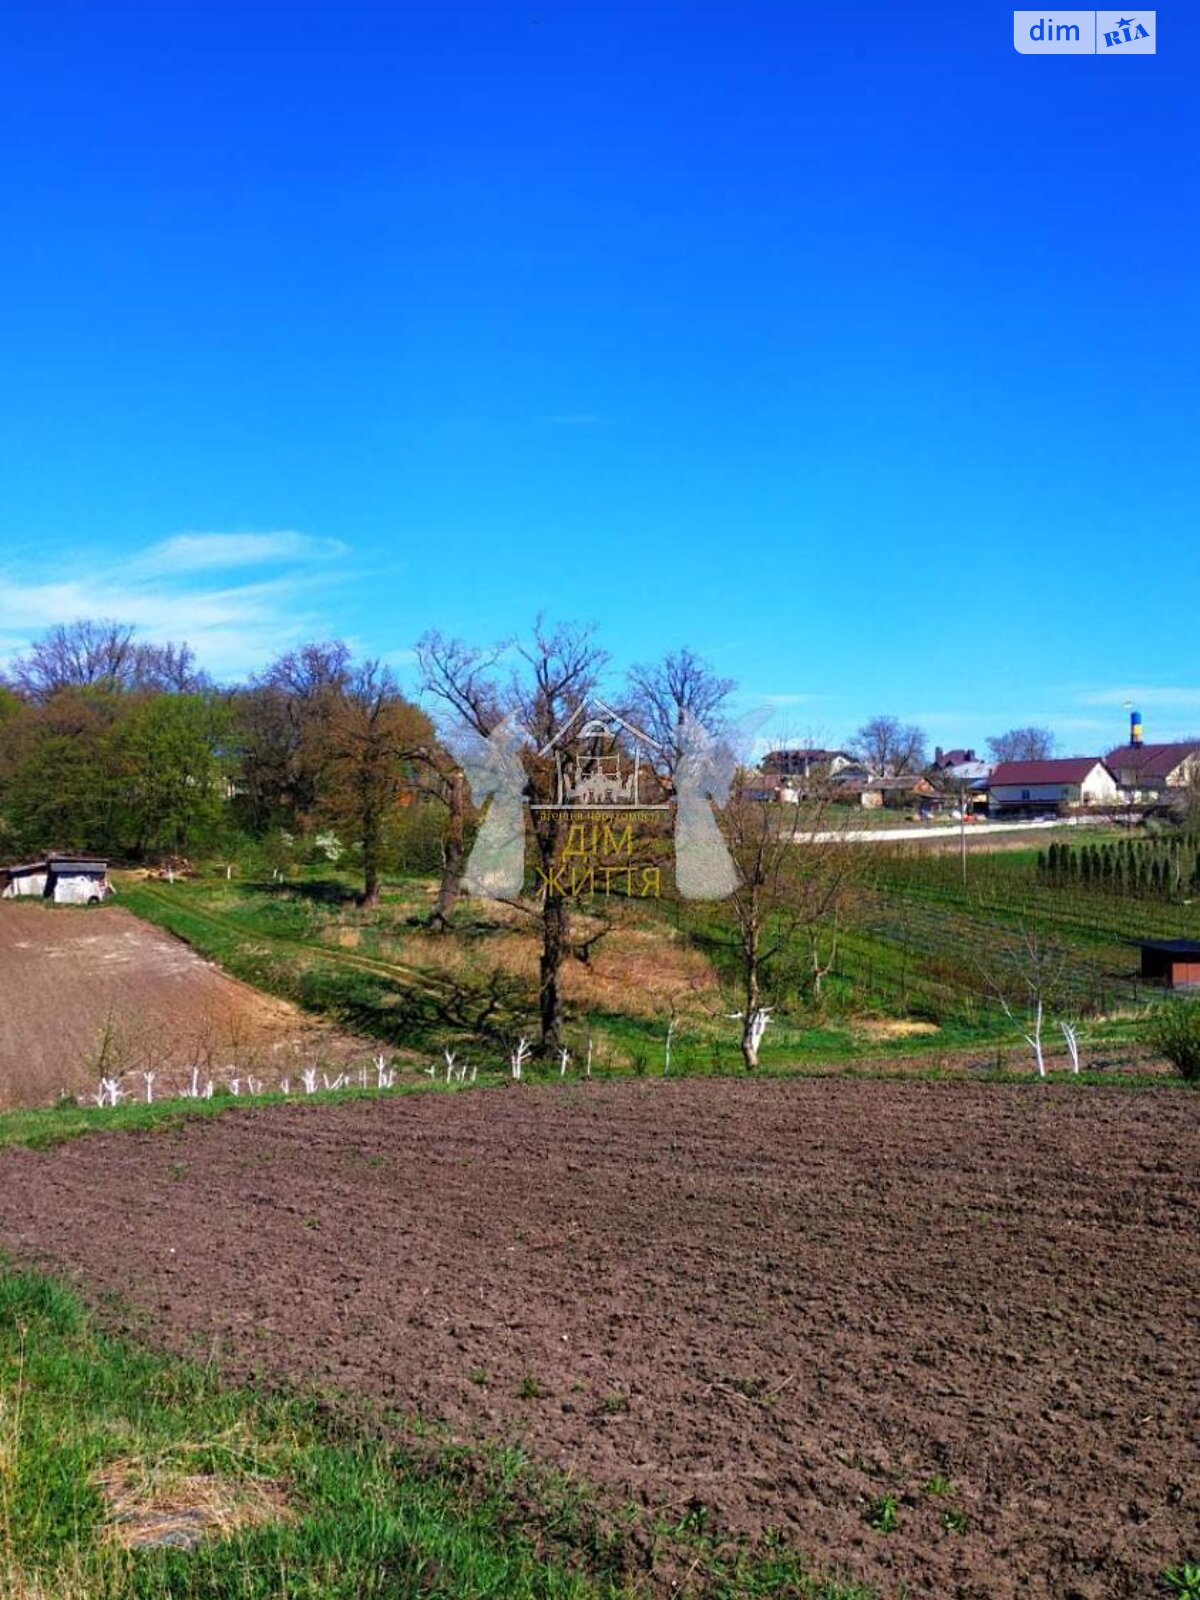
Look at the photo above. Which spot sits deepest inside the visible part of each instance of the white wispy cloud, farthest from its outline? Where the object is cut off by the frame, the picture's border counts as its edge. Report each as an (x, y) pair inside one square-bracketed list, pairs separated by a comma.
[(784, 700), (216, 552), (167, 592)]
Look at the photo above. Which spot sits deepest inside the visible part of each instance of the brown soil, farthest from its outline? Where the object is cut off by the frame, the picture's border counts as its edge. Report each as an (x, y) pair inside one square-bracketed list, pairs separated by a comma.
[(84, 988), (777, 1300)]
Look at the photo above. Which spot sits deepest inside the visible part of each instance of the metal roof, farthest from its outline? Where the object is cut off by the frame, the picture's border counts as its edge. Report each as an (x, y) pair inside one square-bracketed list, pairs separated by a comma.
[(1150, 760), (60, 864), (1072, 769)]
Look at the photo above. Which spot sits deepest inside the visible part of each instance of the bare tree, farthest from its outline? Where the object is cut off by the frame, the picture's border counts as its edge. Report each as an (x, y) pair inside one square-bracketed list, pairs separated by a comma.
[(552, 674), (441, 778), (663, 693), (1030, 974), (75, 655), (796, 874), (169, 669), (102, 653), (890, 748), (1023, 744)]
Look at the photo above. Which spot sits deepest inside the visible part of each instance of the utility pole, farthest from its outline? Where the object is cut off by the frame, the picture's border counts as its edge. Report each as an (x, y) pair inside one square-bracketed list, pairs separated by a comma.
[(962, 827)]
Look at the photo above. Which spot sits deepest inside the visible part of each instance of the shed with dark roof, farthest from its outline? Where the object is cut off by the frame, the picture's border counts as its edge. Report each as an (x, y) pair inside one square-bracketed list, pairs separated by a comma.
[(1174, 963)]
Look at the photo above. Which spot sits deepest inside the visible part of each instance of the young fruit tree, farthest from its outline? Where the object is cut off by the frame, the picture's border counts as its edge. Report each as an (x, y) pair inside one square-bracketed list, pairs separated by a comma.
[(1027, 975), (797, 872)]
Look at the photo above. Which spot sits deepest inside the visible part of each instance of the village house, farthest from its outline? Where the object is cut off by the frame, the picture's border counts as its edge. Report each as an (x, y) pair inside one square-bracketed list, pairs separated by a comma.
[(872, 793), (63, 879), (1059, 785), (809, 762), (772, 787), (1148, 772), (944, 760)]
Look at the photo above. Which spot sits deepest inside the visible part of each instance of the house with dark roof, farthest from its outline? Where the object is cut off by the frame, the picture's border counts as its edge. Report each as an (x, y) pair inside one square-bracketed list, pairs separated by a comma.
[(910, 789), (1147, 772), (1068, 784), (809, 762), (944, 759)]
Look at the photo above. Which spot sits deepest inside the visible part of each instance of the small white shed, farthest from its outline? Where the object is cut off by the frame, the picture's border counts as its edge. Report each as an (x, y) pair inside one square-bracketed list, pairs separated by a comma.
[(28, 879), (77, 883), (66, 880)]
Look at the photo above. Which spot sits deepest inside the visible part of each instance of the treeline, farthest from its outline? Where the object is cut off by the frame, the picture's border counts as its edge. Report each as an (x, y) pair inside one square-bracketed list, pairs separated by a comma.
[(1151, 869), (118, 747)]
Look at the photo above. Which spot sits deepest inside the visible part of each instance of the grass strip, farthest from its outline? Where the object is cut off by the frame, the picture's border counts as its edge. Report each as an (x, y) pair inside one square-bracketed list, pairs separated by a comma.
[(107, 1449)]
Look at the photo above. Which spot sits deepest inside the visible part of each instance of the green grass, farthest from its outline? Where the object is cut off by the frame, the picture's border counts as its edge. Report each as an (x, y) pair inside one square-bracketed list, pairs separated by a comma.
[(355, 1508), (917, 947), (280, 940), (1182, 1582), (43, 1127), (883, 1514)]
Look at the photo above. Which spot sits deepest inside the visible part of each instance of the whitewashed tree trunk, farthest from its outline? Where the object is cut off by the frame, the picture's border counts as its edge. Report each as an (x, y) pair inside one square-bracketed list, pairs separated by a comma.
[(1072, 1038), (519, 1057)]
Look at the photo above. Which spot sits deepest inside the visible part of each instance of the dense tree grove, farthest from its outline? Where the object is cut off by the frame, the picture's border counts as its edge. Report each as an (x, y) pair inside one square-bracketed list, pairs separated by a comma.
[(125, 749)]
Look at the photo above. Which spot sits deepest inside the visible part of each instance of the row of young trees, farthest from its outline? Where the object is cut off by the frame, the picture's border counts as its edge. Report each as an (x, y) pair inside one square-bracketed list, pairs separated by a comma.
[(1154, 869)]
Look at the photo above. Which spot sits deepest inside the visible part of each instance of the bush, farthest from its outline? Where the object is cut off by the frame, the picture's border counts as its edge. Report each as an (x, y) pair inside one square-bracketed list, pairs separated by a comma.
[(1174, 1031)]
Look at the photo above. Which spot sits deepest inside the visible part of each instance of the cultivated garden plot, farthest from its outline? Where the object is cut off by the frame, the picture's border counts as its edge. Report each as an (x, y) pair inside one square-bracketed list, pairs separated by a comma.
[(99, 994), (939, 1335)]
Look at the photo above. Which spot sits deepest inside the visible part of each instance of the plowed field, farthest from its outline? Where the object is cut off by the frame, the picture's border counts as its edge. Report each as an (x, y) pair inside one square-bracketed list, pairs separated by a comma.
[(90, 991), (773, 1304)]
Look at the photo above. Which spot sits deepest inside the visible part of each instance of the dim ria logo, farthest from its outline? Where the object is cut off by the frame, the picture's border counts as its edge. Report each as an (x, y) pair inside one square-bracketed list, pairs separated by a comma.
[(1084, 33), (596, 778)]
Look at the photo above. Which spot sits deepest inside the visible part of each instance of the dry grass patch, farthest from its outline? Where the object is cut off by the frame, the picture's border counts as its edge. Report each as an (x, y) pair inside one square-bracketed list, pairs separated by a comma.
[(896, 1028), (153, 1505), (633, 970)]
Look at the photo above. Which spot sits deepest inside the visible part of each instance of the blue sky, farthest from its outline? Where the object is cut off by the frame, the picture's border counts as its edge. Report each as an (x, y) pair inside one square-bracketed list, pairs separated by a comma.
[(845, 345)]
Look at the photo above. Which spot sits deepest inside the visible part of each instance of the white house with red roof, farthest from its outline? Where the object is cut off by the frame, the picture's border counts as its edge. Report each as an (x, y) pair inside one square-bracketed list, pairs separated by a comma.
[(1067, 784)]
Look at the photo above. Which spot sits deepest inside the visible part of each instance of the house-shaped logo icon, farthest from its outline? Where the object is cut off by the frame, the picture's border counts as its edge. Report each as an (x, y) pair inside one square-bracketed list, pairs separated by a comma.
[(604, 763)]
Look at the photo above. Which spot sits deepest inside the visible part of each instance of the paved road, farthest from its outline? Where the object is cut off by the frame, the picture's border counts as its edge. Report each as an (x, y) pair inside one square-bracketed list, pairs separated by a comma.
[(941, 830)]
